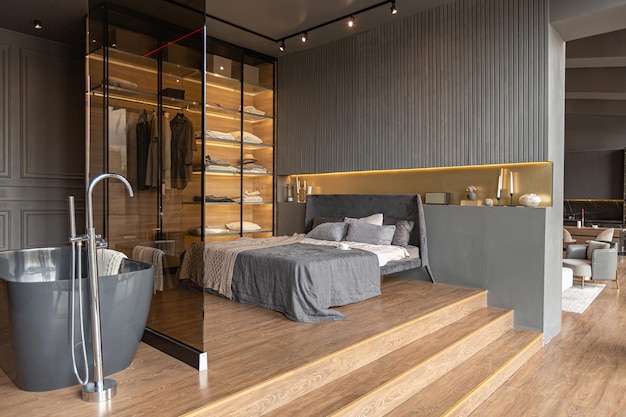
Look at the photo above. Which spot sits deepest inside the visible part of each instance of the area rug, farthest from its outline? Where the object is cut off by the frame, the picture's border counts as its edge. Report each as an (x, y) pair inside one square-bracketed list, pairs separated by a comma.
[(576, 299)]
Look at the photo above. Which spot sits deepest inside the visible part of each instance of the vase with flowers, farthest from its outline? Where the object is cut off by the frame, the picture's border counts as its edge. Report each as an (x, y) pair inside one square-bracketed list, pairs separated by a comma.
[(471, 192)]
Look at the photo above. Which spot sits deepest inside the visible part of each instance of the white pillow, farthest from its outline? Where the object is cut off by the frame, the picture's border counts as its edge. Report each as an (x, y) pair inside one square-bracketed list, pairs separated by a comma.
[(242, 226), (247, 137), (376, 219)]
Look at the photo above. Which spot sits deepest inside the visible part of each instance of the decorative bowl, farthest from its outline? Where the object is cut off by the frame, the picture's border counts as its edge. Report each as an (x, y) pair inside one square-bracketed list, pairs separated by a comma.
[(530, 200)]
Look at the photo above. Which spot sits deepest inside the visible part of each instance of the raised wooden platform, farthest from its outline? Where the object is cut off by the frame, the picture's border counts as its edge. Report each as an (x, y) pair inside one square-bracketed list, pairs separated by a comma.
[(418, 346)]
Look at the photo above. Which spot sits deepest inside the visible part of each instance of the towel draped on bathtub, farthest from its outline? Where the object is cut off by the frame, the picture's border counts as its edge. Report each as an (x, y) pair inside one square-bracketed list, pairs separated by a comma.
[(109, 261)]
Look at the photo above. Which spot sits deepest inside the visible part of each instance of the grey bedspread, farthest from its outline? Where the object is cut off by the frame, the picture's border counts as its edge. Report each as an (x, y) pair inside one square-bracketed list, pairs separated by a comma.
[(303, 281)]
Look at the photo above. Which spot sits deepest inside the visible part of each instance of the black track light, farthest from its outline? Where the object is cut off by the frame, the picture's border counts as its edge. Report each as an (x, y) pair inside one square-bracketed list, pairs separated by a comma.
[(282, 46), (351, 21), (38, 24), (393, 8), (305, 37)]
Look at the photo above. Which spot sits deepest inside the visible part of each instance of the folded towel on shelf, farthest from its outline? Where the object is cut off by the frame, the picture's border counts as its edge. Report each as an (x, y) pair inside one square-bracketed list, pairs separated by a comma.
[(197, 231), (253, 110), (215, 161), (221, 168), (250, 199), (109, 262), (213, 199), (152, 256), (214, 134), (254, 169)]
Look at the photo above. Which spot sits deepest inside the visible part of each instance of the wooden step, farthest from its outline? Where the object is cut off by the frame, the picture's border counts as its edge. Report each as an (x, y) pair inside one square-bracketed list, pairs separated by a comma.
[(461, 390), (384, 384), (275, 392)]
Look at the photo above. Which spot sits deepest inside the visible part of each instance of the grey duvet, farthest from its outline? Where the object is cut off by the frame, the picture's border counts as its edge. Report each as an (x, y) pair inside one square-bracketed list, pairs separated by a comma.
[(304, 281)]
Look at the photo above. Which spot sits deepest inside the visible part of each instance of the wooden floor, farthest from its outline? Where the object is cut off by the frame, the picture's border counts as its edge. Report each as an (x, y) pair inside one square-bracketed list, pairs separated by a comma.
[(581, 372)]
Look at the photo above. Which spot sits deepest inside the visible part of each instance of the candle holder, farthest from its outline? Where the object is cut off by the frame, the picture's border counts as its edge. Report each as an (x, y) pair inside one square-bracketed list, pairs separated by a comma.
[(498, 198)]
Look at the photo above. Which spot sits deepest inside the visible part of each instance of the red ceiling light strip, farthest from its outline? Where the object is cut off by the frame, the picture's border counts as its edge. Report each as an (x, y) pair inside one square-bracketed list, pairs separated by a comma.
[(173, 42)]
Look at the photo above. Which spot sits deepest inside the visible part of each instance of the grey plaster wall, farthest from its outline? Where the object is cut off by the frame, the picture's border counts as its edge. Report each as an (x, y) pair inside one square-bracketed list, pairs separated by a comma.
[(498, 248)]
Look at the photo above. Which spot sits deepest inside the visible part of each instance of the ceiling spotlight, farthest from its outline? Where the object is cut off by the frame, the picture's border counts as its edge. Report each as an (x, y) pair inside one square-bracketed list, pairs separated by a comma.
[(351, 21), (37, 24), (305, 37), (282, 46), (393, 8)]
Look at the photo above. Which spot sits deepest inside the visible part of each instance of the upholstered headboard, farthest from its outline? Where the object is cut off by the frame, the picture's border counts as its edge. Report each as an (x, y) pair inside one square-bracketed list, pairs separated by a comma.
[(392, 206)]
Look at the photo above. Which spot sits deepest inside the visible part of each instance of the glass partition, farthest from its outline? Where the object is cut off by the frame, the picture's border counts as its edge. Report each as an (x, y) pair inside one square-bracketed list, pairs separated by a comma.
[(189, 120)]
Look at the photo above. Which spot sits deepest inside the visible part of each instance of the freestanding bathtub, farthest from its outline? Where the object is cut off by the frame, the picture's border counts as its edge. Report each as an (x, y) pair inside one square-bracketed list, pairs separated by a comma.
[(35, 311)]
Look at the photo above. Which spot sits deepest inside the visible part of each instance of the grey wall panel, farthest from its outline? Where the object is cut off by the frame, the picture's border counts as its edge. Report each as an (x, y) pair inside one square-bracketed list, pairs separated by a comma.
[(462, 84), (42, 157), (44, 228), (5, 93), (4, 230), (52, 116)]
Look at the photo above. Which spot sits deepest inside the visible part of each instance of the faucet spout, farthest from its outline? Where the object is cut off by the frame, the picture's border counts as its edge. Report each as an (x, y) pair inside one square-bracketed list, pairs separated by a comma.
[(92, 185)]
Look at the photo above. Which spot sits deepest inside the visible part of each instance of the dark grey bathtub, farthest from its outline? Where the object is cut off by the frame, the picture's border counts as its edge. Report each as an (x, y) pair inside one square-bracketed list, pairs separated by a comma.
[(34, 317)]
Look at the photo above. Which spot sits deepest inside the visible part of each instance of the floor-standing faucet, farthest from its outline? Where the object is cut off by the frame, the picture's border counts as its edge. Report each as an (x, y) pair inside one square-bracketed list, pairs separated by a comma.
[(100, 389)]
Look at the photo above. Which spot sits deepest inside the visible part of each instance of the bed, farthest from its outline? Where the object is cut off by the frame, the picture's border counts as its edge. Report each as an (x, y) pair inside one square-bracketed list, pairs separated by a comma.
[(304, 276)]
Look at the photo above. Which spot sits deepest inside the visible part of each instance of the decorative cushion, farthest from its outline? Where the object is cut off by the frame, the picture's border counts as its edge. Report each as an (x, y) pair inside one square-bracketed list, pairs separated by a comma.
[(376, 219), (370, 233), (403, 231), (329, 231), (593, 245)]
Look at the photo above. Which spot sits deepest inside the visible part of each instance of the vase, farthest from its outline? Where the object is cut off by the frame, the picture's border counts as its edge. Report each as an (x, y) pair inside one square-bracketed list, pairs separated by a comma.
[(530, 200), (471, 196)]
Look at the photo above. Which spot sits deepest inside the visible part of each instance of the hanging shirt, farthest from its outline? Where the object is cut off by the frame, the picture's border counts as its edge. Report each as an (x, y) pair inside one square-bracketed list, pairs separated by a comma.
[(166, 151), (152, 165), (143, 144), (183, 146)]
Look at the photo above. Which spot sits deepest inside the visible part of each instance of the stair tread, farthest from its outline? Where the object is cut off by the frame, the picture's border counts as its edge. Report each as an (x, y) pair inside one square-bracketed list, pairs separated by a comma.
[(438, 397), (348, 388)]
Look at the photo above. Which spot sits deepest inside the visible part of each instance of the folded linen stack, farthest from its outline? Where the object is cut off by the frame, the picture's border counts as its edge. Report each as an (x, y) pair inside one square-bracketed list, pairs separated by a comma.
[(251, 197), (214, 134), (216, 164), (253, 110)]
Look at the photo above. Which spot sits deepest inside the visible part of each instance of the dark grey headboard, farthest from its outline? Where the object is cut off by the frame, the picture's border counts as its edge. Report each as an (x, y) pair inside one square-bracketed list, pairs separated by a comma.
[(393, 206)]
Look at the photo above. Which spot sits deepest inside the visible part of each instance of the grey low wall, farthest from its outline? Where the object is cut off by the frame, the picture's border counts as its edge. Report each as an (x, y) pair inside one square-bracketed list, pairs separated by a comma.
[(501, 249)]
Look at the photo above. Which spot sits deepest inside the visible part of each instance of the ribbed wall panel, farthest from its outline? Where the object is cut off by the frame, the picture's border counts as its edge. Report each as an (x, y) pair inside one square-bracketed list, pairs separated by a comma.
[(463, 84)]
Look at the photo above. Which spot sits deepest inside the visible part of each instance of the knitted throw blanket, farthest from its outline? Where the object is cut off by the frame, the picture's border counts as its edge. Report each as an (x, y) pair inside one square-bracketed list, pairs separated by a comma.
[(211, 264)]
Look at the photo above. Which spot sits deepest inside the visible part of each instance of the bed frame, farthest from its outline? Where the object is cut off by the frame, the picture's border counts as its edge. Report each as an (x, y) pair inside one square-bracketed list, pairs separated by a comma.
[(393, 206)]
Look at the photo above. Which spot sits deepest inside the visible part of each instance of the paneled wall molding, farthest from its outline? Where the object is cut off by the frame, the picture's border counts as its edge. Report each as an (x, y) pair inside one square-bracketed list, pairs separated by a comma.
[(44, 227), (51, 121), (5, 94), (462, 84), (42, 158)]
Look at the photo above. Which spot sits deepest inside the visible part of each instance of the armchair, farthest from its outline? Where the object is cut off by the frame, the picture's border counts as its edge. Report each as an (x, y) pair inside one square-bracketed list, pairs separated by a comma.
[(596, 260)]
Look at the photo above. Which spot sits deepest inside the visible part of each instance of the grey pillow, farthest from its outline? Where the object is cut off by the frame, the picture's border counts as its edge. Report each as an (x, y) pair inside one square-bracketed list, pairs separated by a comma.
[(403, 231), (320, 220), (329, 231), (370, 233), (593, 245)]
